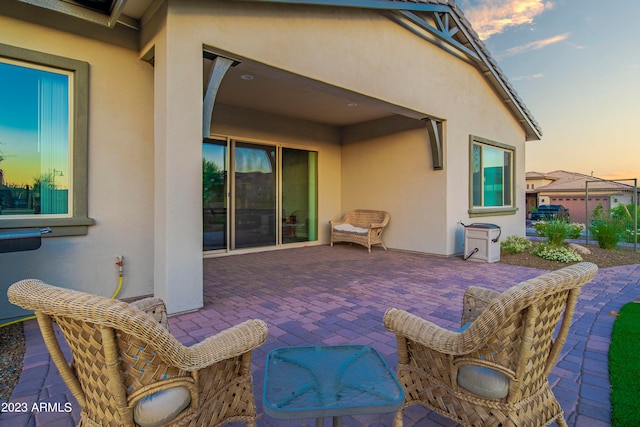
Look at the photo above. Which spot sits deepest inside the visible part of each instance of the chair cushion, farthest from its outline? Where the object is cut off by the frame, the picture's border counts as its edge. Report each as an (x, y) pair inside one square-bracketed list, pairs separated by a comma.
[(351, 229), (464, 327), (483, 381), (161, 407)]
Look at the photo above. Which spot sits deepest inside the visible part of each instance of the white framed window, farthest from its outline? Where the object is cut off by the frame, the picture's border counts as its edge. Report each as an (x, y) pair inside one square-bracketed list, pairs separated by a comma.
[(43, 141), (491, 176)]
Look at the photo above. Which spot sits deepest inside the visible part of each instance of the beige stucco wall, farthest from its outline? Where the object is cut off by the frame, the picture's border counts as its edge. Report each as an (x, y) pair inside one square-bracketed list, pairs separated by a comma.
[(120, 182), (386, 62), (393, 172)]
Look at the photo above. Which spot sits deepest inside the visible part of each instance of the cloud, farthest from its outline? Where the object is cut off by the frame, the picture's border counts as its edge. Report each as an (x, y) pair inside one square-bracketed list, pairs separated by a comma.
[(491, 17), (531, 77), (538, 44)]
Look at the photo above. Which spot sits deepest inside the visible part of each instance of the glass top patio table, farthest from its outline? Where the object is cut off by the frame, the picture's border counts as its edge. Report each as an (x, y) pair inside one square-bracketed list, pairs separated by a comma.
[(323, 381)]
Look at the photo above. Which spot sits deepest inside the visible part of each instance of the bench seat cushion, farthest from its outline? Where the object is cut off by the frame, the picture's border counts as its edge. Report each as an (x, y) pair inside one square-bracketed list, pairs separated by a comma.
[(348, 228)]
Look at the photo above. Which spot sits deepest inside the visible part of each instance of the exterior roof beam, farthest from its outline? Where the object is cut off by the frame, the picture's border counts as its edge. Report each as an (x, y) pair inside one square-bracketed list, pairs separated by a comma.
[(80, 12), (218, 69), (444, 31), (365, 4), (434, 130)]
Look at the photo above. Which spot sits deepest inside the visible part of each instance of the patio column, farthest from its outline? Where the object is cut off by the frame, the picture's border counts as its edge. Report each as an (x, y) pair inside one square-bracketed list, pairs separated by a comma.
[(178, 171)]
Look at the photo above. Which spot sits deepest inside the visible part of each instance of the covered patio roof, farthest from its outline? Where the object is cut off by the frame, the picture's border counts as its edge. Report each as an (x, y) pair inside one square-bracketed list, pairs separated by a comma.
[(337, 295), (440, 22)]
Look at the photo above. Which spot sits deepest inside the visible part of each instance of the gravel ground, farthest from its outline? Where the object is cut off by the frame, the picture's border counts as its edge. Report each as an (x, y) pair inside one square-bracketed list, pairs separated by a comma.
[(11, 354), (603, 258)]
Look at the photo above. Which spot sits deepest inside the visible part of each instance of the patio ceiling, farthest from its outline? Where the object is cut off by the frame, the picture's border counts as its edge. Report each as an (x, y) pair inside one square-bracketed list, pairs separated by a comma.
[(253, 86)]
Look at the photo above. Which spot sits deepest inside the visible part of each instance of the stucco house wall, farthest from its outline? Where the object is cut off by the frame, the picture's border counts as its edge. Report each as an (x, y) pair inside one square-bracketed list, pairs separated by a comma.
[(120, 172), (376, 62), (145, 143)]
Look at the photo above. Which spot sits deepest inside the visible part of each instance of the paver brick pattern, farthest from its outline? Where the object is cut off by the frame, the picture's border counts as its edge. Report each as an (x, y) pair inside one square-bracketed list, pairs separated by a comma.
[(338, 295)]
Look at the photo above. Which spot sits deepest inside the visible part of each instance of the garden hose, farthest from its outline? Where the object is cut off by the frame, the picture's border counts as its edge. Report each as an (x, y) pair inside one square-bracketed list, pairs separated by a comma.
[(115, 294)]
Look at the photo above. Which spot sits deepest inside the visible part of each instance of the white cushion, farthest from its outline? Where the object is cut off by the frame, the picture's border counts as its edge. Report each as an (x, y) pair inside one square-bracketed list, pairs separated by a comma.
[(351, 229), (161, 407), (483, 381)]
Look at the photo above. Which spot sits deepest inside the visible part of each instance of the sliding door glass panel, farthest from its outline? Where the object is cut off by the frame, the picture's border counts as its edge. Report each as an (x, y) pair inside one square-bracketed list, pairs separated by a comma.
[(215, 188), (299, 195), (255, 195)]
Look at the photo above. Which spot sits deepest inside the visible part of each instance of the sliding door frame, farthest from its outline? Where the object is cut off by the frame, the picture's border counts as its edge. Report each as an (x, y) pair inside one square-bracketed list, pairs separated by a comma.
[(231, 194)]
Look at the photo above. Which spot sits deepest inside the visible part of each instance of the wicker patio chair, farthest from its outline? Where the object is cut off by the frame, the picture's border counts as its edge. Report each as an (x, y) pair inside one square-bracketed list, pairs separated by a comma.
[(494, 372), (128, 370), (360, 226)]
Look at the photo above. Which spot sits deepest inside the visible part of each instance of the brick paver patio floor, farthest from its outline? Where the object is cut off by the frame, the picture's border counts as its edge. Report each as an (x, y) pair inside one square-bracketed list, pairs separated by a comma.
[(324, 295)]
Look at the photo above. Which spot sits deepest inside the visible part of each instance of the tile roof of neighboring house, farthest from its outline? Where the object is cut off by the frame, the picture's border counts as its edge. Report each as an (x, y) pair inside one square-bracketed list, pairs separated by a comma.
[(572, 181), (539, 175)]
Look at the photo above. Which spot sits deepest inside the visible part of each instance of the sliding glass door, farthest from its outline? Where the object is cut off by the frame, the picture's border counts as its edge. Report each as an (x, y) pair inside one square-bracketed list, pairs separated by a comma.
[(215, 187), (268, 198), (254, 168), (299, 198)]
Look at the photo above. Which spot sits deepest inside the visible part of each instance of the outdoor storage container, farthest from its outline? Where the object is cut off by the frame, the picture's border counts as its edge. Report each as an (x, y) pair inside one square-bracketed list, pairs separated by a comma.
[(482, 242)]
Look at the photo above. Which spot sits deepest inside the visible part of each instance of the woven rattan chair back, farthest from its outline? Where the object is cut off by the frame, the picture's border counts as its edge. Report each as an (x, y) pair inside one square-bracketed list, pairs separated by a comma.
[(121, 353), (517, 334)]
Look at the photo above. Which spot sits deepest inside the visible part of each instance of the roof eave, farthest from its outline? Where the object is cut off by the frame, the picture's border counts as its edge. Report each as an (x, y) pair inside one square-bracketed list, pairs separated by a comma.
[(482, 58)]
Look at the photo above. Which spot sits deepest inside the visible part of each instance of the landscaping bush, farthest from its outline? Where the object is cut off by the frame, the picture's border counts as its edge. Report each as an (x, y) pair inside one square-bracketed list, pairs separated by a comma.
[(606, 229), (624, 214), (557, 231), (515, 244), (556, 253)]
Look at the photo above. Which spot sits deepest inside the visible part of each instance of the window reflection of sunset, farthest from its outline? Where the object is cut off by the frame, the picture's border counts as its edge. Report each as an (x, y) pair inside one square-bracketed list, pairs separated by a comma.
[(34, 126)]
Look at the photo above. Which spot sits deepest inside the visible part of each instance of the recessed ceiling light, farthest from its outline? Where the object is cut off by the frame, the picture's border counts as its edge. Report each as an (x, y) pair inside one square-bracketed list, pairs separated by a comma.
[(246, 77)]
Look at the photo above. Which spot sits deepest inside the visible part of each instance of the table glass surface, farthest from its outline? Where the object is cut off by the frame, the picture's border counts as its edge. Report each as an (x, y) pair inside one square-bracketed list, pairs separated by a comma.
[(320, 381)]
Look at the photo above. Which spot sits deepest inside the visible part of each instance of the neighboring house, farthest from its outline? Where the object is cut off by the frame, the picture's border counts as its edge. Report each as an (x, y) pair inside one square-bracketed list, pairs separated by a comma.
[(189, 129), (569, 189)]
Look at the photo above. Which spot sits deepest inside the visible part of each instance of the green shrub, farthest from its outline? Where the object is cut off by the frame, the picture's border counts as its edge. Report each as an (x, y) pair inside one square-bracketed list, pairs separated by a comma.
[(557, 231), (515, 244), (556, 253), (607, 232), (606, 229), (625, 214)]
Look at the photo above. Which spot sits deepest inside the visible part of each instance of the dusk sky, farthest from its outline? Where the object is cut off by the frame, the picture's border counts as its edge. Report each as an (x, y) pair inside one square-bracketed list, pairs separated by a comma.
[(576, 65)]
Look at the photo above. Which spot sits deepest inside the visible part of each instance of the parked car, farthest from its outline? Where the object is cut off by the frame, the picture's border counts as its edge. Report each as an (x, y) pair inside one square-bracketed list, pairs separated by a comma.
[(550, 212)]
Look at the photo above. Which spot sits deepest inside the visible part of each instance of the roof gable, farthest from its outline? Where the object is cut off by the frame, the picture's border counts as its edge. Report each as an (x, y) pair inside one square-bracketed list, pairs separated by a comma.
[(443, 23)]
